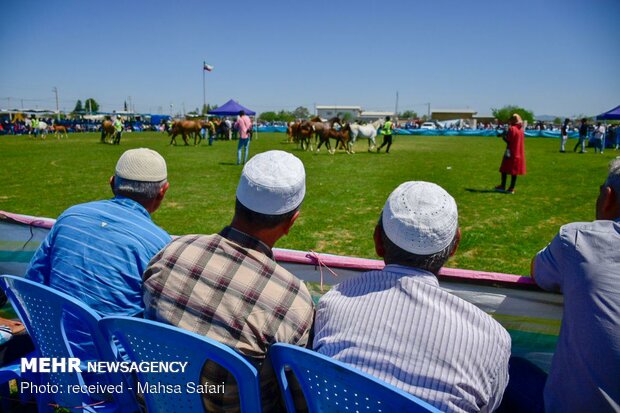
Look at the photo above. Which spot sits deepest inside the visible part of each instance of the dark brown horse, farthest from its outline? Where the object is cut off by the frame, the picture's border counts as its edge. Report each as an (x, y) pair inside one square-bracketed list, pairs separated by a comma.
[(185, 128)]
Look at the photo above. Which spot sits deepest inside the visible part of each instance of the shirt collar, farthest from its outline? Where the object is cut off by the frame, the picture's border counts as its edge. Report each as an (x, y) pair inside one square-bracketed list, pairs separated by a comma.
[(404, 271), (246, 240), (130, 203)]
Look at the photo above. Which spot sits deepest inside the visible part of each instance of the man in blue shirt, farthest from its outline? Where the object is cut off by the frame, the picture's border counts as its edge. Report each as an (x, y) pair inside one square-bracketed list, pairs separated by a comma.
[(581, 262), (97, 251)]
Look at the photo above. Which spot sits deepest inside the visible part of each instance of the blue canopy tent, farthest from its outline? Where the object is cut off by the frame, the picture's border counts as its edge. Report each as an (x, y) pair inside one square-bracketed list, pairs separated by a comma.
[(231, 108), (613, 114)]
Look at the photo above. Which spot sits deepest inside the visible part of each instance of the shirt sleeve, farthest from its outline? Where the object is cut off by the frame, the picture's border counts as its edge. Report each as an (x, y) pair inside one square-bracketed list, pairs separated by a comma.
[(552, 262), (39, 267)]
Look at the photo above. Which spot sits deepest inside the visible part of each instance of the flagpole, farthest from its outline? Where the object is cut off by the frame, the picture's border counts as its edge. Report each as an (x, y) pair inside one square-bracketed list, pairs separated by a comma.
[(204, 93)]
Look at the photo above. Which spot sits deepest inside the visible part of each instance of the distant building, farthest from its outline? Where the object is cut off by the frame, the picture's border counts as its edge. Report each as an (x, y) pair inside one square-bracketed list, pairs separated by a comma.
[(372, 116), (356, 112), (451, 114), (328, 112)]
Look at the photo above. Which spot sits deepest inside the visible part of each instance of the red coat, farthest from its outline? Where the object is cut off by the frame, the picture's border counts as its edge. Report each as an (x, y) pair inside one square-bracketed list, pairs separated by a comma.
[(515, 163)]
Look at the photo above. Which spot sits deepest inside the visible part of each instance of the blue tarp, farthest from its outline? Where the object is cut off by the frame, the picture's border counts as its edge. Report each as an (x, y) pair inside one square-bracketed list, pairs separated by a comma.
[(448, 132), (231, 108)]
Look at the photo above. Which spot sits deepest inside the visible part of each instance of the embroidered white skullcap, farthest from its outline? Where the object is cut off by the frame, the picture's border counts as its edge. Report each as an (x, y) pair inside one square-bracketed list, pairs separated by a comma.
[(272, 183), (420, 217), (141, 164)]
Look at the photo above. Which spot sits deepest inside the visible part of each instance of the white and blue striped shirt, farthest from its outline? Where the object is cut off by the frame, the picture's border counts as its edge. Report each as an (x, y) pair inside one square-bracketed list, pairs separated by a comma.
[(400, 326), (97, 253)]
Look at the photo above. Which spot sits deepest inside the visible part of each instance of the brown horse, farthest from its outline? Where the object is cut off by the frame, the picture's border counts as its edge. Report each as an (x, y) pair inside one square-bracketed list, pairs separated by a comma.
[(305, 132), (107, 131), (322, 132), (185, 128), (60, 131), (342, 137)]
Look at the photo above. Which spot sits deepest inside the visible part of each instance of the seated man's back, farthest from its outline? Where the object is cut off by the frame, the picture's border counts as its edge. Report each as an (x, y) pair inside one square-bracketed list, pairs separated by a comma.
[(398, 324), (228, 287), (97, 252)]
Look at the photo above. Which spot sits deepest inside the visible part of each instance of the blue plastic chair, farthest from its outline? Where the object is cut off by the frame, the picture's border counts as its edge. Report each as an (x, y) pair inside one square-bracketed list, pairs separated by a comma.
[(41, 309), (329, 385), (146, 340)]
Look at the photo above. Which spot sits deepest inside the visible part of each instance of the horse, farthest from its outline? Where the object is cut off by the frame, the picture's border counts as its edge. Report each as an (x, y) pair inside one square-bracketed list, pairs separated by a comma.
[(305, 132), (107, 131), (322, 134), (185, 128), (60, 131), (41, 128), (342, 137), (365, 131)]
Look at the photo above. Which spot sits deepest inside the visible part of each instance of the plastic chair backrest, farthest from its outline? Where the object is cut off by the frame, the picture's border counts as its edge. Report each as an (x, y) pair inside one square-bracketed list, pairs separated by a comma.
[(146, 341), (329, 385), (41, 309)]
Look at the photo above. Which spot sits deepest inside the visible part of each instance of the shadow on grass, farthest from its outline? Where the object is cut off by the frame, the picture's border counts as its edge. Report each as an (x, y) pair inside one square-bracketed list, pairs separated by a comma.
[(484, 191), (229, 163)]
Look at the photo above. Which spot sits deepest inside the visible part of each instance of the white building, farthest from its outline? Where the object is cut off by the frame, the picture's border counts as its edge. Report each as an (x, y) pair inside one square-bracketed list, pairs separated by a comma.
[(356, 112), (328, 112)]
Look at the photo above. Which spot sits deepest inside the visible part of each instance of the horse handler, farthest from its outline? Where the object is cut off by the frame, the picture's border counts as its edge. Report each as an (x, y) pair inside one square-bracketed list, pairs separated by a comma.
[(118, 127), (388, 127)]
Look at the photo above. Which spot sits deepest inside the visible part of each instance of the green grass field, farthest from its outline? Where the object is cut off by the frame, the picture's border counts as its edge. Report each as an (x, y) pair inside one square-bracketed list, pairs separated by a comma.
[(345, 193)]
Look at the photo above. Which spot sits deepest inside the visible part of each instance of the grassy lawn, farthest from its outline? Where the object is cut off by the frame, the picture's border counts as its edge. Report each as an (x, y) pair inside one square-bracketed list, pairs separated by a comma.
[(345, 193)]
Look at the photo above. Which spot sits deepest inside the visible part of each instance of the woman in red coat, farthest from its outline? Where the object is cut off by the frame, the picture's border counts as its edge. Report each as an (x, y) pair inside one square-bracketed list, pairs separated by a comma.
[(514, 157)]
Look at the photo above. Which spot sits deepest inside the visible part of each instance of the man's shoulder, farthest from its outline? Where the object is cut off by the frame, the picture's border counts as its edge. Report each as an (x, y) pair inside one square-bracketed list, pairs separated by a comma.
[(570, 231)]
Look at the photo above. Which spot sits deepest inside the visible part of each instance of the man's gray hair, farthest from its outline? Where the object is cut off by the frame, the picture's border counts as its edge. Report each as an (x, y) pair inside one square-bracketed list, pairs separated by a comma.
[(613, 179), (137, 189)]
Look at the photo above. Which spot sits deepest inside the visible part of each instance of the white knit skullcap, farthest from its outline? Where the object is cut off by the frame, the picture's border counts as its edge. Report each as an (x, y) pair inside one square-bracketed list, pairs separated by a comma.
[(272, 183), (420, 217), (141, 164)]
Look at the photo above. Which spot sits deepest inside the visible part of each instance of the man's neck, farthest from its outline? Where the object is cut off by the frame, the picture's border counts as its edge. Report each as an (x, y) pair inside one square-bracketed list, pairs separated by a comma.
[(268, 236)]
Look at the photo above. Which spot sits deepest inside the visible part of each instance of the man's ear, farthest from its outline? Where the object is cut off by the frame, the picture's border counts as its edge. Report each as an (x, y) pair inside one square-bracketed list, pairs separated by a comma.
[(289, 224), (458, 241), (162, 191), (379, 247), (112, 182)]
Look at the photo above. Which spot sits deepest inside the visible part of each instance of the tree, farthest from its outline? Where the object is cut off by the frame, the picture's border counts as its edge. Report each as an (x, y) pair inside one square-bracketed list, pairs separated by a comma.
[(285, 116), (504, 114), (268, 117), (78, 107), (408, 114), (91, 105), (346, 117), (301, 113)]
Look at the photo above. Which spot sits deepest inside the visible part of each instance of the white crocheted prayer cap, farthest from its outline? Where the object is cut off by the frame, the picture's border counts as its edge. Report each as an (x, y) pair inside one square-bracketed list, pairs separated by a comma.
[(420, 217), (141, 164), (272, 183)]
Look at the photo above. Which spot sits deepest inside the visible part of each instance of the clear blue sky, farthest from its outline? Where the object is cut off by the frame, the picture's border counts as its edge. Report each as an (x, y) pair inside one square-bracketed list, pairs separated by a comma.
[(557, 57)]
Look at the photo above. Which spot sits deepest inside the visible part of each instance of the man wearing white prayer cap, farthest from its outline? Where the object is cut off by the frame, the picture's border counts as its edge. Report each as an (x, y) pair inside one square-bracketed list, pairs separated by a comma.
[(399, 325), (98, 251), (228, 286)]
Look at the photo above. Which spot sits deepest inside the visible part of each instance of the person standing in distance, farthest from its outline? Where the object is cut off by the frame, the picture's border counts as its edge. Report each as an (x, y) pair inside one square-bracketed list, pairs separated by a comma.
[(244, 126), (513, 162)]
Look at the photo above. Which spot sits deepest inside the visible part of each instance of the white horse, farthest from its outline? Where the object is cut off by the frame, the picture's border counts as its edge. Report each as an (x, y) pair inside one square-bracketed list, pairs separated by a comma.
[(365, 131), (41, 129)]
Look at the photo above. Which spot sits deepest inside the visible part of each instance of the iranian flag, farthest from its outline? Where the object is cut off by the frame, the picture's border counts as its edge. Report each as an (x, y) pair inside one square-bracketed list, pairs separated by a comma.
[(206, 67)]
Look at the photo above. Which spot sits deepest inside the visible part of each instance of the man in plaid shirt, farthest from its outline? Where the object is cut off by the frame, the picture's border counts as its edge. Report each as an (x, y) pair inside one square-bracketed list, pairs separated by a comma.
[(228, 287)]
